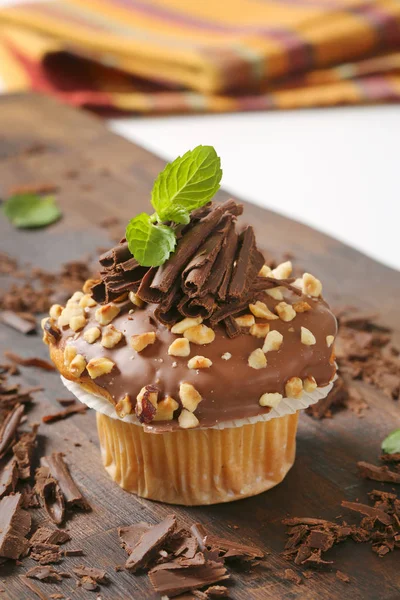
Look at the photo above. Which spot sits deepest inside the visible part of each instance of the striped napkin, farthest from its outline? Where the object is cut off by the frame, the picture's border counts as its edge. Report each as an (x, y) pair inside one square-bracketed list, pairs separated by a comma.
[(181, 56)]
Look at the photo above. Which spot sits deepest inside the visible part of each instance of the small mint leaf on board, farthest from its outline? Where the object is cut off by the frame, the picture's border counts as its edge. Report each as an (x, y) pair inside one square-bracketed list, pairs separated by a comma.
[(187, 183), (31, 210), (150, 244), (391, 444)]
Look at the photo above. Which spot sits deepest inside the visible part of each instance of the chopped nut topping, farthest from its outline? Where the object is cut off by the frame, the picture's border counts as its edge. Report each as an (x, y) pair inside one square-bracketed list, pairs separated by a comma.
[(301, 306), (189, 396), (329, 340), (309, 384), (69, 354), (71, 310), (55, 311), (294, 387), (142, 340), (257, 359), (121, 298), (275, 293), (186, 324), (106, 313), (200, 334), (124, 407), (89, 283), (91, 335), (87, 301), (311, 285), (273, 341), (282, 271), (77, 323), (261, 310), (187, 420), (111, 336), (265, 271), (146, 405), (245, 320), (259, 330), (226, 356), (99, 366), (134, 298), (270, 399), (77, 365), (76, 297), (179, 347), (307, 337), (166, 409), (199, 362), (285, 311), (298, 283)]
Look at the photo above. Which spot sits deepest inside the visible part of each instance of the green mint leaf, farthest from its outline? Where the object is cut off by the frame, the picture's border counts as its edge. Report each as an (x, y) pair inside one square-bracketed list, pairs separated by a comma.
[(189, 182), (31, 210), (150, 244), (391, 444)]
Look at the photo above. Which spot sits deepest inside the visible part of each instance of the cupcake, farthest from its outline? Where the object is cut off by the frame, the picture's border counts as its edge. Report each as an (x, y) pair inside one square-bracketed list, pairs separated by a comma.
[(195, 354)]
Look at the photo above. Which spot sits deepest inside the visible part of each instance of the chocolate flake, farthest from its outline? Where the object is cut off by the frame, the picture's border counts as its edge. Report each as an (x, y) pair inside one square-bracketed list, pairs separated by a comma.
[(17, 322), (23, 451), (370, 511), (51, 496), (45, 573), (149, 543), (30, 362), (292, 576), (382, 473), (45, 535), (248, 263), (231, 549), (98, 575), (15, 524), (9, 428), (177, 580), (74, 409), (33, 588), (130, 536), (342, 577), (60, 472), (8, 477)]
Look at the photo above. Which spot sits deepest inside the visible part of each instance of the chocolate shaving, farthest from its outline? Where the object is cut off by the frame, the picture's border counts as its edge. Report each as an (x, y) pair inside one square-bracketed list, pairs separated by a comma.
[(391, 457), (98, 575), (45, 573), (248, 263), (8, 477), (15, 524), (46, 554), (33, 588), (45, 535), (231, 549), (29, 362), (382, 473), (232, 328), (50, 494), (370, 511), (149, 543), (60, 472), (23, 452), (18, 323), (130, 536), (176, 580), (9, 428), (292, 576), (342, 577), (74, 409)]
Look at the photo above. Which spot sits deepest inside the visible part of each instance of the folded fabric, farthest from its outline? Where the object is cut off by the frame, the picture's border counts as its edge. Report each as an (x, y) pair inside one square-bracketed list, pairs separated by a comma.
[(158, 56)]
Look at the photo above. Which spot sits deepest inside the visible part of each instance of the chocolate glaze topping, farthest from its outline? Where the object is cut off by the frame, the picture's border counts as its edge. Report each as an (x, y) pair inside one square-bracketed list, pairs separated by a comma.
[(213, 274)]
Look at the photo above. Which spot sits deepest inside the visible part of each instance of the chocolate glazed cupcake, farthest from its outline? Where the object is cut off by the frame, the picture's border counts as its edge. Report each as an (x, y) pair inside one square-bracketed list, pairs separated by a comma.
[(197, 368)]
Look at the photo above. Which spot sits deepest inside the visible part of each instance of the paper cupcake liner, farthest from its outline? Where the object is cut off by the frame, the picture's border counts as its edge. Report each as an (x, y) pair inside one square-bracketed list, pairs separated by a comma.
[(287, 406)]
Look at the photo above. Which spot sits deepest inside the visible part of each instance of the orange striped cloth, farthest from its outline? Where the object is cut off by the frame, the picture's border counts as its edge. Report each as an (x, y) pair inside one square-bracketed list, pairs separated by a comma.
[(163, 56)]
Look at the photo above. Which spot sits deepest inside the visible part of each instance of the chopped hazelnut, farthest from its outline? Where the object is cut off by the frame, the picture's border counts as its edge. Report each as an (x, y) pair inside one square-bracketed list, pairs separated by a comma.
[(257, 359), (142, 340), (99, 366), (294, 387), (76, 297), (298, 283), (186, 323), (270, 399), (311, 285), (87, 301), (71, 310), (307, 338), (189, 396), (275, 293), (301, 306), (77, 365), (187, 420), (77, 323), (146, 403), (106, 313), (55, 311), (91, 335), (199, 362), (69, 354), (282, 271), (265, 271), (166, 409), (329, 340), (89, 283), (179, 347), (226, 356), (261, 310), (259, 330), (124, 407), (200, 334), (273, 341), (309, 384), (134, 298), (245, 320), (285, 311), (111, 336)]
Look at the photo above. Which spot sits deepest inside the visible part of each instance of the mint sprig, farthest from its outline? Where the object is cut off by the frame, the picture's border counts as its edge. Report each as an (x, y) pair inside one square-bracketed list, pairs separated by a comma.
[(31, 210), (391, 444), (189, 182)]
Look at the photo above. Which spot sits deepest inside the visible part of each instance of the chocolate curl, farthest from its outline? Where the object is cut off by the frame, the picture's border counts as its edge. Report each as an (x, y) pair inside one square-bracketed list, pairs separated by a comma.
[(220, 276), (227, 310), (167, 312), (197, 307), (121, 273), (119, 254), (50, 495), (190, 243), (232, 328), (248, 263), (168, 318), (9, 428), (145, 292), (197, 271), (60, 472)]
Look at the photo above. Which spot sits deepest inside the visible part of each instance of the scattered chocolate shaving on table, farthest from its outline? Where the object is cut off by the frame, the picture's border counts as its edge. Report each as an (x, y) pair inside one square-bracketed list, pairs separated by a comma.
[(8, 477), (290, 575), (58, 470), (23, 451), (342, 577), (391, 457), (149, 543), (9, 428), (46, 554), (46, 535), (46, 573), (66, 401), (40, 188), (74, 409), (99, 575), (33, 588), (74, 552), (382, 473), (50, 494), (33, 361), (17, 322), (15, 524)]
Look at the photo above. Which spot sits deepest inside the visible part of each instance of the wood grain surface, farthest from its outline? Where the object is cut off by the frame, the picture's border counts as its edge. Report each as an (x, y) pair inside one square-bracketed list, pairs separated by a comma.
[(42, 141)]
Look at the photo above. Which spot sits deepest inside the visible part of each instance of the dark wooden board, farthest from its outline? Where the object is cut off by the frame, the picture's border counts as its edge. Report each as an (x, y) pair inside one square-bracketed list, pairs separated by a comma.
[(114, 177)]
